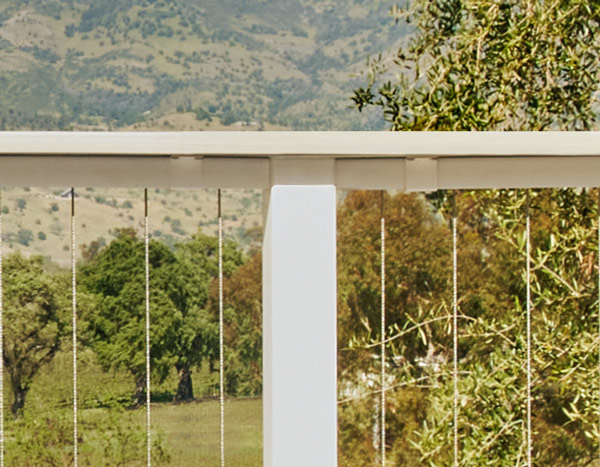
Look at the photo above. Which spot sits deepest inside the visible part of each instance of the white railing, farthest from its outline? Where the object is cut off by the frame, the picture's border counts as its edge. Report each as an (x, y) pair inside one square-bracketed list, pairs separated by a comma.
[(301, 170)]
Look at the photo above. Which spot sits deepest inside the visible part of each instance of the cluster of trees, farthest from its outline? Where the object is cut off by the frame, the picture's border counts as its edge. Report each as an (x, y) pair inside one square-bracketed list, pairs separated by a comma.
[(492, 338), (184, 329), (111, 313), (482, 65)]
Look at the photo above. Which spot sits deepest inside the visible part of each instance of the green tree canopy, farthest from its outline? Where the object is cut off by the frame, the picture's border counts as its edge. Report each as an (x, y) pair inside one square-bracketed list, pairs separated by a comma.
[(490, 65), (492, 342), (183, 333), (36, 317), (197, 268), (116, 328), (242, 327)]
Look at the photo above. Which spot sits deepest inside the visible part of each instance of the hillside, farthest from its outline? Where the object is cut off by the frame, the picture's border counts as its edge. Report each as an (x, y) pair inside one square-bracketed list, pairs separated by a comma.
[(37, 221), (174, 65), (187, 64)]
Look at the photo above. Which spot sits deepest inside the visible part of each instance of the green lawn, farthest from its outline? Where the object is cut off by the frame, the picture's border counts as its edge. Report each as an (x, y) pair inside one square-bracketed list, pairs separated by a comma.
[(187, 433), (109, 435), (192, 432)]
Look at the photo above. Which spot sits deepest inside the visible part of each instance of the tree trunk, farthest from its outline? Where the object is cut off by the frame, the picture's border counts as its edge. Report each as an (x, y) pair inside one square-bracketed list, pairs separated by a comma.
[(17, 406), (185, 391), (139, 394)]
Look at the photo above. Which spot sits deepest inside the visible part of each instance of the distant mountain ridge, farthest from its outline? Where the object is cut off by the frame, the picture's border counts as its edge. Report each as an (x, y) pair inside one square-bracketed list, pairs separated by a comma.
[(187, 64)]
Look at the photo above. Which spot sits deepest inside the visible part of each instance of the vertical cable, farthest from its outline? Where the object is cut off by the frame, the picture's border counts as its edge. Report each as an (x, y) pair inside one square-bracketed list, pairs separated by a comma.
[(147, 274), (1, 349), (383, 436), (221, 359), (455, 324), (528, 298), (598, 272), (74, 299)]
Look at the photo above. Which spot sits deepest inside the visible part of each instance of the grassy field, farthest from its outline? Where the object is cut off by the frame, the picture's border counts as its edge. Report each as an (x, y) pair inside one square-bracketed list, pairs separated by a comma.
[(192, 436), (188, 435), (110, 434)]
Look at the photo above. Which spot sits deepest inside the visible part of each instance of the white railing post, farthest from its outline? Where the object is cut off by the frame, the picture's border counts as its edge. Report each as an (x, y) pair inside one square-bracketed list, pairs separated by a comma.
[(299, 326)]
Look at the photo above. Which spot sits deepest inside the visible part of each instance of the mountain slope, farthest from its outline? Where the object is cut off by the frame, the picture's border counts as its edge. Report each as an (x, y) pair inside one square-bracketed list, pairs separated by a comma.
[(136, 64)]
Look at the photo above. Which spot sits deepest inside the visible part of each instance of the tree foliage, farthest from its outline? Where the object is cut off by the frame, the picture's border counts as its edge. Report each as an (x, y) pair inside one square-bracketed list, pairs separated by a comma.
[(36, 319), (242, 327), (116, 277), (197, 269), (496, 65), (490, 65), (183, 332), (492, 340), (418, 265)]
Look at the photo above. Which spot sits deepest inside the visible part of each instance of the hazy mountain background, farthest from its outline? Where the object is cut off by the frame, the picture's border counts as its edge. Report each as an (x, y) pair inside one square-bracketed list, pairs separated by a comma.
[(188, 64), (175, 65), (37, 220)]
